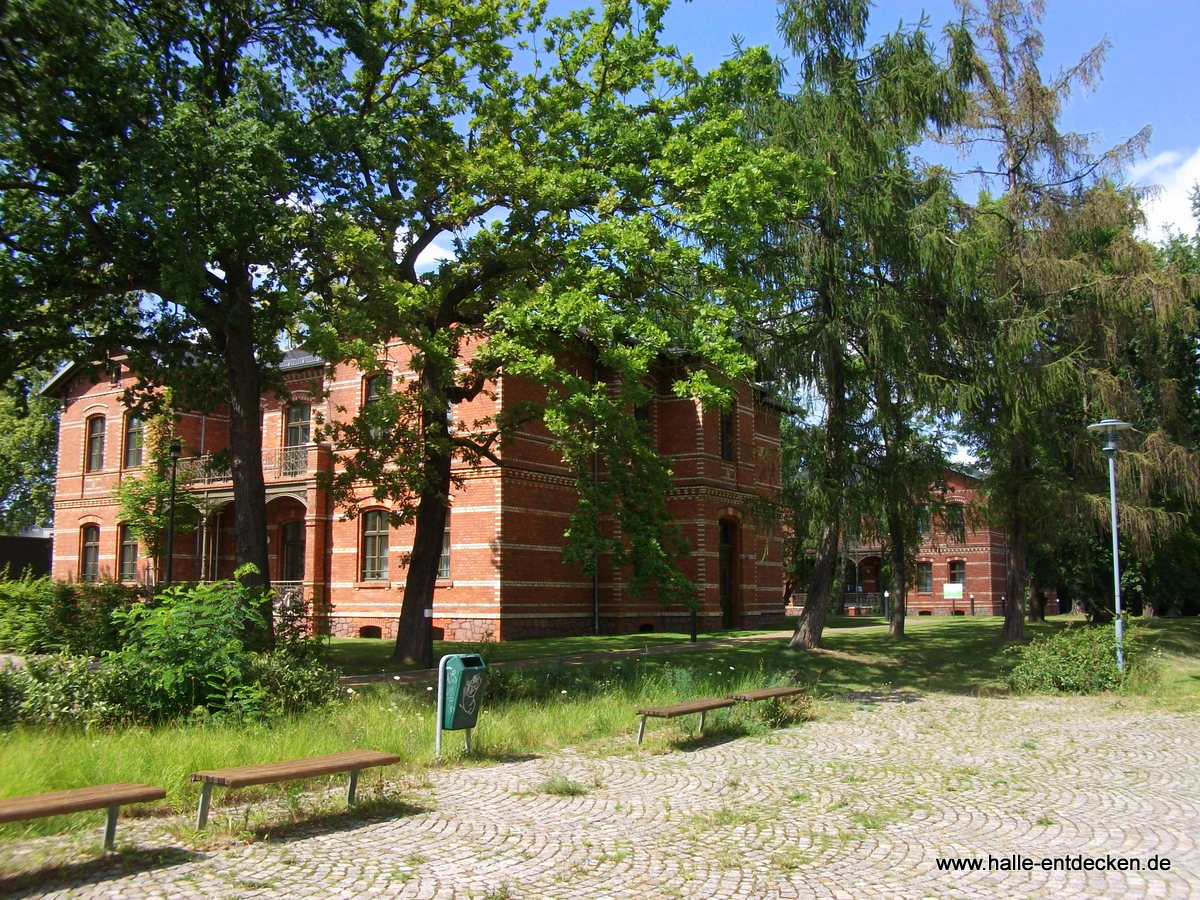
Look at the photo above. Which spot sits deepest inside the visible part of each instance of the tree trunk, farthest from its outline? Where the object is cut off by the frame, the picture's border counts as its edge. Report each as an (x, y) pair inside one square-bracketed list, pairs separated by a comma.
[(1015, 581), (820, 589), (245, 460), (414, 633), (899, 601), (1037, 602)]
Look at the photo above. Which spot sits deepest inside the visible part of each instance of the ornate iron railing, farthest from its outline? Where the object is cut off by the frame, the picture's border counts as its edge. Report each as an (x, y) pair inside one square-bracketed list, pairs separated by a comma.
[(278, 463)]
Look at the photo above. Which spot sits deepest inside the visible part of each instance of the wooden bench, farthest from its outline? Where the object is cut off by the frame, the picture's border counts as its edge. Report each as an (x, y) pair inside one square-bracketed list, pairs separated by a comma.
[(702, 706), (101, 796), (687, 708), (351, 761), (770, 693)]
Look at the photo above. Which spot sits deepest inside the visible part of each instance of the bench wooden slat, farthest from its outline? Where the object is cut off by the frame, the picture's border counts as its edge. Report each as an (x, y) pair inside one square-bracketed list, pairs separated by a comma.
[(309, 767), (688, 707), (769, 693), (53, 803)]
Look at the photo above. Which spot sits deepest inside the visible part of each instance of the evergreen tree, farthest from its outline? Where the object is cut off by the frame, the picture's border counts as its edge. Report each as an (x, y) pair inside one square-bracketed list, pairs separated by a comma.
[(1067, 307), (857, 273)]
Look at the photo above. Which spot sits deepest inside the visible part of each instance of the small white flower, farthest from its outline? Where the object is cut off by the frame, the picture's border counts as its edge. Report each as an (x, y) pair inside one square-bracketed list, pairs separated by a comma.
[(429, 689), (731, 668), (395, 678), (562, 692), (349, 690)]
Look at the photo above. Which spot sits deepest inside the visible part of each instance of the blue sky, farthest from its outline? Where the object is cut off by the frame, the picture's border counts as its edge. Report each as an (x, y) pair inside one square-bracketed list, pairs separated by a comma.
[(1150, 77)]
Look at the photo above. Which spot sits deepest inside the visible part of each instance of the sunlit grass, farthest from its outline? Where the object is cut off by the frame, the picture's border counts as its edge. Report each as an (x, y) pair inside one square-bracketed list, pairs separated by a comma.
[(362, 656), (539, 708)]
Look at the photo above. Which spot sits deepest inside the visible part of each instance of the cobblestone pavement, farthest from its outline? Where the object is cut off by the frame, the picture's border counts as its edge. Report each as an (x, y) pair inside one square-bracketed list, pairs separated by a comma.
[(860, 803)]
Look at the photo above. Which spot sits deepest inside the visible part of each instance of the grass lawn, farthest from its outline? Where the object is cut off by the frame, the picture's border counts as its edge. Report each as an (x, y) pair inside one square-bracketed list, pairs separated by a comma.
[(536, 708), (369, 656)]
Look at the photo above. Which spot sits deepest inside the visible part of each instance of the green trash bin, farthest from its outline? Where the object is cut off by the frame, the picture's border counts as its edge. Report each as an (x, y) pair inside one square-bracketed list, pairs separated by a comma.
[(466, 675)]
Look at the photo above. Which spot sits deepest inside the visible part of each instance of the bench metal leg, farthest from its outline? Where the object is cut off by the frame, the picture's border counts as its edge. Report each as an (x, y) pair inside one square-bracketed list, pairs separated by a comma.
[(701, 729), (352, 788), (202, 809), (641, 729), (110, 828)]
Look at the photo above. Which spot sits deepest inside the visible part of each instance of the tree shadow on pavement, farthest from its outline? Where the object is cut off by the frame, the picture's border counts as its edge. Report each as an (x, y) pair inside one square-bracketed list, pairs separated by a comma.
[(70, 877)]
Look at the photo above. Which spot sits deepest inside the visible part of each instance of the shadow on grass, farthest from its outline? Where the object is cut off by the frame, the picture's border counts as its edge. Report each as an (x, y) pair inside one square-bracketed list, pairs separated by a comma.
[(71, 877)]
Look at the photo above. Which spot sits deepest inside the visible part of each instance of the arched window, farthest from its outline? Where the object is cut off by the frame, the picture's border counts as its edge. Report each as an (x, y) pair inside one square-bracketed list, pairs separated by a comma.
[(128, 560), (89, 553), (374, 545), (135, 432), (94, 461)]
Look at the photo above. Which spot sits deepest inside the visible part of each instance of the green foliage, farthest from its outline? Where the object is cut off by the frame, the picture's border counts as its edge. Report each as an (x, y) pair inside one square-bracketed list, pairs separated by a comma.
[(39, 615), (69, 690), (28, 453), (182, 655), (1076, 660), (145, 499), (188, 651)]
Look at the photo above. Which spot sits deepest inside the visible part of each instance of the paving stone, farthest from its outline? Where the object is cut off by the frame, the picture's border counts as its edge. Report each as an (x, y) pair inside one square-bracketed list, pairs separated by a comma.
[(860, 803)]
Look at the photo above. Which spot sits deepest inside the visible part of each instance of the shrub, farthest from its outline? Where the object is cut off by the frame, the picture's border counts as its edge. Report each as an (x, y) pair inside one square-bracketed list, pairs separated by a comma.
[(12, 694), (293, 684), (38, 615), (1077, 660), (64, 689), (184, 656)]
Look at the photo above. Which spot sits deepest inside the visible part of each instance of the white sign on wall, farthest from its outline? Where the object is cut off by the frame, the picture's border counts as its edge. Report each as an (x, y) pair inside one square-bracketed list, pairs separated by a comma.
[(953, 590)]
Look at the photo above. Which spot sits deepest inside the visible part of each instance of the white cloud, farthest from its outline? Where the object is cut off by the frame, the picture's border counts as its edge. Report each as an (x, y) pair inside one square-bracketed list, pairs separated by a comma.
[(1170, 209)]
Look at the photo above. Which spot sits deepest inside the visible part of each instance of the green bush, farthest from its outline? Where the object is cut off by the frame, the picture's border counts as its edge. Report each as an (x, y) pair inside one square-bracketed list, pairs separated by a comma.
[(1079, 659), (182, 657), (38, 615), (67, 690)]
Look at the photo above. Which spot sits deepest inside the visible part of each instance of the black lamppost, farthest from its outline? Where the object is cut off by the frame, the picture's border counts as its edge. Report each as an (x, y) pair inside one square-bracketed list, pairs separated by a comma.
[(175, 449), (1110, 428)]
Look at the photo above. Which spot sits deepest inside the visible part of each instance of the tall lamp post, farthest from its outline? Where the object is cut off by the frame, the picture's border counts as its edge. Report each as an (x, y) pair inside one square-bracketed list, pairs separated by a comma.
[(1110, 428), (175, 449)]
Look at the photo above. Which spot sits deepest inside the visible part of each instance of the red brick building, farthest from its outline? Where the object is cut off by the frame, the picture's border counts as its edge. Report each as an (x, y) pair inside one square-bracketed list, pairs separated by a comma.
[(961, 563), (503, 574)]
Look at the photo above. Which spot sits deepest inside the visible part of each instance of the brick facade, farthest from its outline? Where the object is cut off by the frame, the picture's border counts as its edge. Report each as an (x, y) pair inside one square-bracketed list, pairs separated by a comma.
[(960, 547), (506, 576)]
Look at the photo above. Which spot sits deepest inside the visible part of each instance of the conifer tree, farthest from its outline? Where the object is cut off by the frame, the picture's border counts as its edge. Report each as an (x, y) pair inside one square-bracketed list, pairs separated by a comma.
[(852, 271)]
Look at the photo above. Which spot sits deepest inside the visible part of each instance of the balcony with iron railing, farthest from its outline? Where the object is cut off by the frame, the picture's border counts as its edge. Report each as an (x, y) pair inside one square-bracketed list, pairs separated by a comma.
[(279, 464)]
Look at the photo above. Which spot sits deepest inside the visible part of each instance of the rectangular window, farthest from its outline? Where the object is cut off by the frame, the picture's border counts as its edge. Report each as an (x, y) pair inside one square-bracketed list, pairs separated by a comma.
[(923, 520), (299, 415), (127, 570), (956, 523), (924, 578), (444, 559), (727, 435), (89, 553), (375, 389), (295, 439), (958, 572), (135, 430), (374, 545), (95, 444)]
